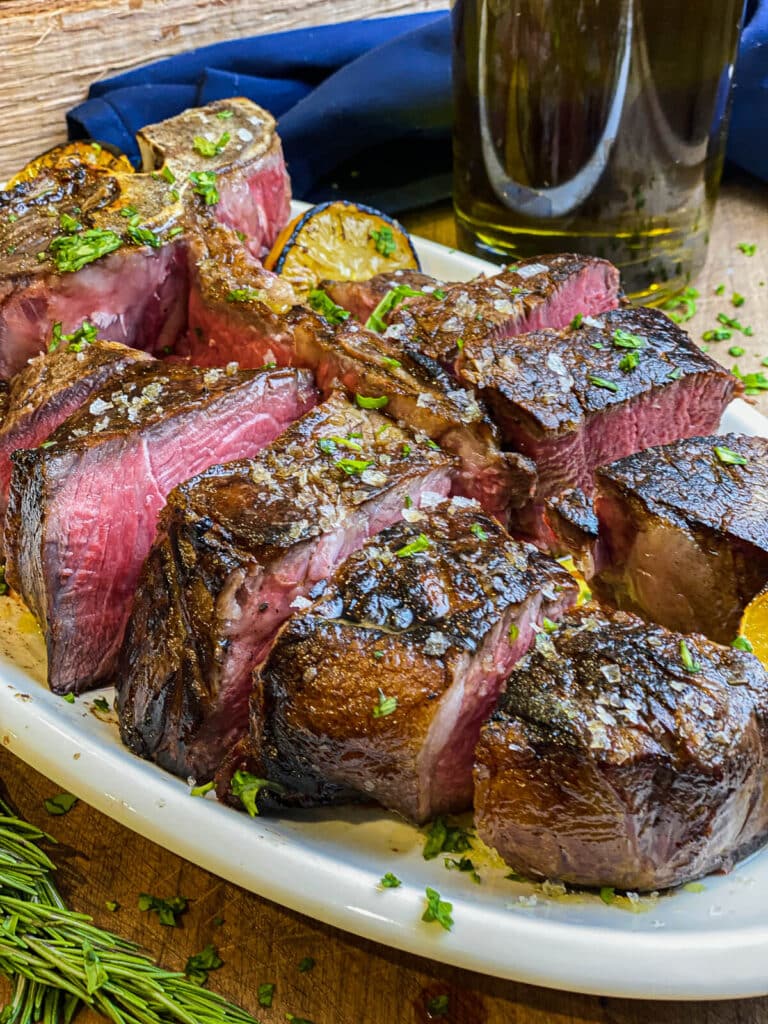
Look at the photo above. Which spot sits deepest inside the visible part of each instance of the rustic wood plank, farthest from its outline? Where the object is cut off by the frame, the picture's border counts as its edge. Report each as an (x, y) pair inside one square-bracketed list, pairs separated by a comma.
[(52, 52)]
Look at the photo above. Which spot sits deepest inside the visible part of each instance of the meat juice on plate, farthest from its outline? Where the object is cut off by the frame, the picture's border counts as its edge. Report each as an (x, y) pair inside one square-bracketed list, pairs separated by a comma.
[(593, 126)]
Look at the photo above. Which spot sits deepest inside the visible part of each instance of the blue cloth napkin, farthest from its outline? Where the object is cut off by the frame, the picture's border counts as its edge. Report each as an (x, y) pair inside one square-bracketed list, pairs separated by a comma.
[(364, 106)]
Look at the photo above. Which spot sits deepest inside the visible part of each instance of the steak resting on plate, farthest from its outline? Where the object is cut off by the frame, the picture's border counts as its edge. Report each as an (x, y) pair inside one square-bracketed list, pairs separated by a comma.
[(82, 242), (625, 755), (379, 689), (49, 389), (680, 534), (577, 399), (240, 547), (82, 507), (546, 291)]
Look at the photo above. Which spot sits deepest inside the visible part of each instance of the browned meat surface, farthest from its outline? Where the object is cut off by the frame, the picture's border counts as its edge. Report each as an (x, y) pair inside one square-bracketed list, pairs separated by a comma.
[(625, 755), (681, 535), (362, 297), (379, 689), (577, 399), (240, 548), (82, 509), (82, 242), (49, 389), (547, 291)]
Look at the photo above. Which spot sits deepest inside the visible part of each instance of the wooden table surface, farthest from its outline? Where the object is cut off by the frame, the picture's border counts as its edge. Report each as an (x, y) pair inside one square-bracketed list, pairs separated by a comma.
[(355, 981)]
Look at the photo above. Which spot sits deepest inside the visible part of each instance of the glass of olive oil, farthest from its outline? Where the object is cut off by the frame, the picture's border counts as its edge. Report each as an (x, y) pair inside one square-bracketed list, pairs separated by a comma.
[(594, 126)]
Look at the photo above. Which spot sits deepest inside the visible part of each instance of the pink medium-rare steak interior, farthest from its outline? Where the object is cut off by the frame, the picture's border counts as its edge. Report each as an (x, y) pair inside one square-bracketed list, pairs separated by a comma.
[(239, 545), (82, 512), (257, 204)]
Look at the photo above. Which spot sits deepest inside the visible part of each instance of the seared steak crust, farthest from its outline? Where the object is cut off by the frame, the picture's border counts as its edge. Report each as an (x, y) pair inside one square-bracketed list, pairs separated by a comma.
[(362, 297), (431, 626), (624, 755), (239, 545)]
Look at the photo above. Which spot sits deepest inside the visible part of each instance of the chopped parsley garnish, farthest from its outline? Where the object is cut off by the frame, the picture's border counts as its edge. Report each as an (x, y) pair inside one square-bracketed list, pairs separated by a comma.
[(465, 865), (478, 531), (421, 543), (69, 698), (608, 894), (391, 363), (129, 212), (201, 790), (460, 344), (306, 964), (112, 905), (143, 236), (246, 787), (386, 706), (200, 964), (101, 704), (689, 662), (748, 248), (84, 335), (629, 362), (211, 147), (736, 351), (444, 838), (408, 501), (177, 230), (601, 382), (439, 294), (353, 467), (513, 632), (394, 297), (548, 625), (329, 444), (245, 295), (383, 240), (438, 910), (623, 339), (729, 457), (204, 184), (438, 1006), (366, 402), (720, 290), (753, 383), (675, 374), (390, 881), (62, 803), (224, 115), (577, 321), (166, 910), (718, 334), (69, 224), (737, 300), (741, 643), (681, 307), (323, 304), (733, 323), (72, 252), (265, 991)]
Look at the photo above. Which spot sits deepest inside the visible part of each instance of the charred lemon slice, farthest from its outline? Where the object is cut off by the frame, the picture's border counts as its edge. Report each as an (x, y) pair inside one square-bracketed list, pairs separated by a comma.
[(61, 157), (754, 627), (342, 241)]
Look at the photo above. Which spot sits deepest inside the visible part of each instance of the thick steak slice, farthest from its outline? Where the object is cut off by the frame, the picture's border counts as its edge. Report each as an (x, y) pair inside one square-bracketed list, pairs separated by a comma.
[(241, 547), (380, 688), (682, 536), (577, 399), (82, 510), (49, 389), (547, 291), (82, 242), (625, 755), (362, 297)]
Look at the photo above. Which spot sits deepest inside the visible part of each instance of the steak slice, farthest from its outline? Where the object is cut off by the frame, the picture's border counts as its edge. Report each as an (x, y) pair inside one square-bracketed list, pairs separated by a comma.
[(241, 546), (682, 536), (49, 389), (84, 242), (625, 755), (547, 291), (577, 399), (379, 689), (362, 297), (81, 513)]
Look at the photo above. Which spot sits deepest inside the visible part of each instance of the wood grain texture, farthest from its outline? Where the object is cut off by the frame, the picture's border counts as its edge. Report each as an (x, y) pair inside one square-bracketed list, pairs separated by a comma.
[(741, 215), (51, 52), (353, 982)]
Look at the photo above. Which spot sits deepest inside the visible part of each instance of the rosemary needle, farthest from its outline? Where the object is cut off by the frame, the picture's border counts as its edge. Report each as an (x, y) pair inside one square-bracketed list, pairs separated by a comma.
[(58, 960)]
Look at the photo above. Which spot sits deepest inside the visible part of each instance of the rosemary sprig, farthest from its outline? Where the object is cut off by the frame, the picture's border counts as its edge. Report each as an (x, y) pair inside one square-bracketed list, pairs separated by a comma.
[(59, 960)]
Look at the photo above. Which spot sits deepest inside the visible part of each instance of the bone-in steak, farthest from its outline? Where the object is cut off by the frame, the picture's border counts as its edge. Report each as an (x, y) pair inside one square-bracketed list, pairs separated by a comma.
[(625, 755), (240, 548), (379, 690), (82, 509)]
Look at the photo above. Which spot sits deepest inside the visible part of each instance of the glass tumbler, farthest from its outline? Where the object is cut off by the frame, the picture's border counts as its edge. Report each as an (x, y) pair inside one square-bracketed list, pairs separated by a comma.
[(594, 126)]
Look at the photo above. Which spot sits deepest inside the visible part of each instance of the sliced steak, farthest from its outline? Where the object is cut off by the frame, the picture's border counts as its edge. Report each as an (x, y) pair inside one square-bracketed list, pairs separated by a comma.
[(49, 389), (241, 546), (84, 242), (577, 399), (625, 755), (362, 297), (82, 509), (547, 291), (681, 536), (379, 689)]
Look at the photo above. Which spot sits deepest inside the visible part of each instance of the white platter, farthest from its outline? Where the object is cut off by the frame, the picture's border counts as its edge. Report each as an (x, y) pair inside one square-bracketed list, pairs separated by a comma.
[(689, 945)]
